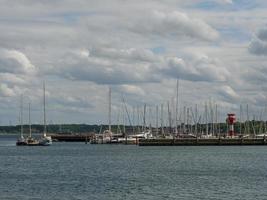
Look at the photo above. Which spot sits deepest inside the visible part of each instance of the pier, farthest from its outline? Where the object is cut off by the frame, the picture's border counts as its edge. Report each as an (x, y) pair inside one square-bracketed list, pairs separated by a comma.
[(202, 142)]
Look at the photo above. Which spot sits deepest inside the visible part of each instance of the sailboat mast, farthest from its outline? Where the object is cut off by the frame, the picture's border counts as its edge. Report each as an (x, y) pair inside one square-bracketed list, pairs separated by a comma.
[(161, 119), (44, 111), (30, 126), (206, 117), (216, 120), (138, 119), (169, 117), (109, 110), (176, 111), (184, 124), (240, 119), (157, 120), (21, 116), (133, 122), (144, 118)]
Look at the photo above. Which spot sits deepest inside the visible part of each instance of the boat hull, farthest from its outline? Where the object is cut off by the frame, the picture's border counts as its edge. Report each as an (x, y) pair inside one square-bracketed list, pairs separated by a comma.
[(45, 141), (21, 143)]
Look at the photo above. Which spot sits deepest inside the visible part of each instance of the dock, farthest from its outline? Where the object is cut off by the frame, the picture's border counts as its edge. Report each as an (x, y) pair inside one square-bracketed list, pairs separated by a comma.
[(71, 137), (203, 142)]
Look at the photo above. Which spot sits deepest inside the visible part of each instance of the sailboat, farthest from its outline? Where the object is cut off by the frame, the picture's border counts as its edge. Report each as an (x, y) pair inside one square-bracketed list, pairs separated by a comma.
[(107, 134), (45, 140), (30, 140), (21, 141)]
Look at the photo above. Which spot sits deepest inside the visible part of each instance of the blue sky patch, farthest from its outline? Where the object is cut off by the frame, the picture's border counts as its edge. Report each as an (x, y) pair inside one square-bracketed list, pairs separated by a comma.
[(158, 50)]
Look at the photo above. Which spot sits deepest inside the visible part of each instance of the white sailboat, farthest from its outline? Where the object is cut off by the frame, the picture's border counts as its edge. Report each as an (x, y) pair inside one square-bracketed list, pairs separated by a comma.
[(107, 135), (30, 140), (45, 140)]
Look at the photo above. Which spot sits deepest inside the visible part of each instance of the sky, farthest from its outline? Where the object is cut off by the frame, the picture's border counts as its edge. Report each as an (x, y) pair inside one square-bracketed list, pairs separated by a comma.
[(216, 48)]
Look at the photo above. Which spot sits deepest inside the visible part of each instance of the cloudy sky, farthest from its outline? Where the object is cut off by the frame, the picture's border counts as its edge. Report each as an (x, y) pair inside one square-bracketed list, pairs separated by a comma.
[(217, 49)]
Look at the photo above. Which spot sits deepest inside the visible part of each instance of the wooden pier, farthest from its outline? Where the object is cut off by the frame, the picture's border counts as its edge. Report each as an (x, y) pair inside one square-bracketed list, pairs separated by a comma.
[(202, 141)]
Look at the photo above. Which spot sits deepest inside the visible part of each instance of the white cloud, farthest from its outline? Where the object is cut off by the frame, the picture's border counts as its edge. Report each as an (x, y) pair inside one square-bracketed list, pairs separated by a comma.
[(13, 61), (228, 93), (137, 47), (6, 91), (176, 24), (131, 66), (104, 65), (196, 68)]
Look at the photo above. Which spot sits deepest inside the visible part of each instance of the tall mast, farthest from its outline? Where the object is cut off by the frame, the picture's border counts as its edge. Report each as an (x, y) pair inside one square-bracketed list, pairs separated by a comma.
[(211, 117), (169, 117), (127, 113), (21, 116), (109, 109), (248, 127), (157, 120), (196, 120), (240, 119), (138, 119), (133, 122), (161, 119), (176, 111), (219, 126), (187, 121), (118, 122), (144, 118), (150, 118), (184, 127), (206, 117), (30, 126), (44, 111), (216, 119), (123, 119)]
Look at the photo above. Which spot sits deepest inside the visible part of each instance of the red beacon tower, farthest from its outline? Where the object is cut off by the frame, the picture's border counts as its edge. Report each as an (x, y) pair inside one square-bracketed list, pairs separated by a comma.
[(231, 120)]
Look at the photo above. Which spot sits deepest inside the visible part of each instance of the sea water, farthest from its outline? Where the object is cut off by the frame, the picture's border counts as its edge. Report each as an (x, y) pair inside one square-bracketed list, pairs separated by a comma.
[(69, 171)]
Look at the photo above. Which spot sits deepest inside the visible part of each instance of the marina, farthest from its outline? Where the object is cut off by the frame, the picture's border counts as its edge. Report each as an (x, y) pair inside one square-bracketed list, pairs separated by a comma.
[(133, 100), (165, 125)]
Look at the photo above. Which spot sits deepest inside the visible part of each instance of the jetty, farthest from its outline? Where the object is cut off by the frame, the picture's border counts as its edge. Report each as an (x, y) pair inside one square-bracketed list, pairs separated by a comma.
[(203, 142)]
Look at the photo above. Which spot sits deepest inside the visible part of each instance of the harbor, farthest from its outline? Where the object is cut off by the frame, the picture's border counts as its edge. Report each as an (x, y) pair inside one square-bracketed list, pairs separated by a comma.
[(133, 100), (152, 137), (168, 124), (161, 141)]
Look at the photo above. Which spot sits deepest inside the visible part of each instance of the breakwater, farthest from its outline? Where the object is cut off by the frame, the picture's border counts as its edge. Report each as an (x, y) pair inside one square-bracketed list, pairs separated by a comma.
[(202, 141)]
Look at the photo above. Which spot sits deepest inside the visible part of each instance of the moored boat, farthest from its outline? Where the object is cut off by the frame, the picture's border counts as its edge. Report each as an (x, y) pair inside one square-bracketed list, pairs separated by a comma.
[(32, 142), (45, 140), (21, 142)]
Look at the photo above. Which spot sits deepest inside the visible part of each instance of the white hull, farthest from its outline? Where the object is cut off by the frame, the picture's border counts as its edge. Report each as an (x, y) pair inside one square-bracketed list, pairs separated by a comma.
[(45, 141)]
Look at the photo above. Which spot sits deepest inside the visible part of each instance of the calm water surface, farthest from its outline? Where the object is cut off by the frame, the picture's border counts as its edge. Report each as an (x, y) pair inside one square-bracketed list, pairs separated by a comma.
[(78, 171)]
